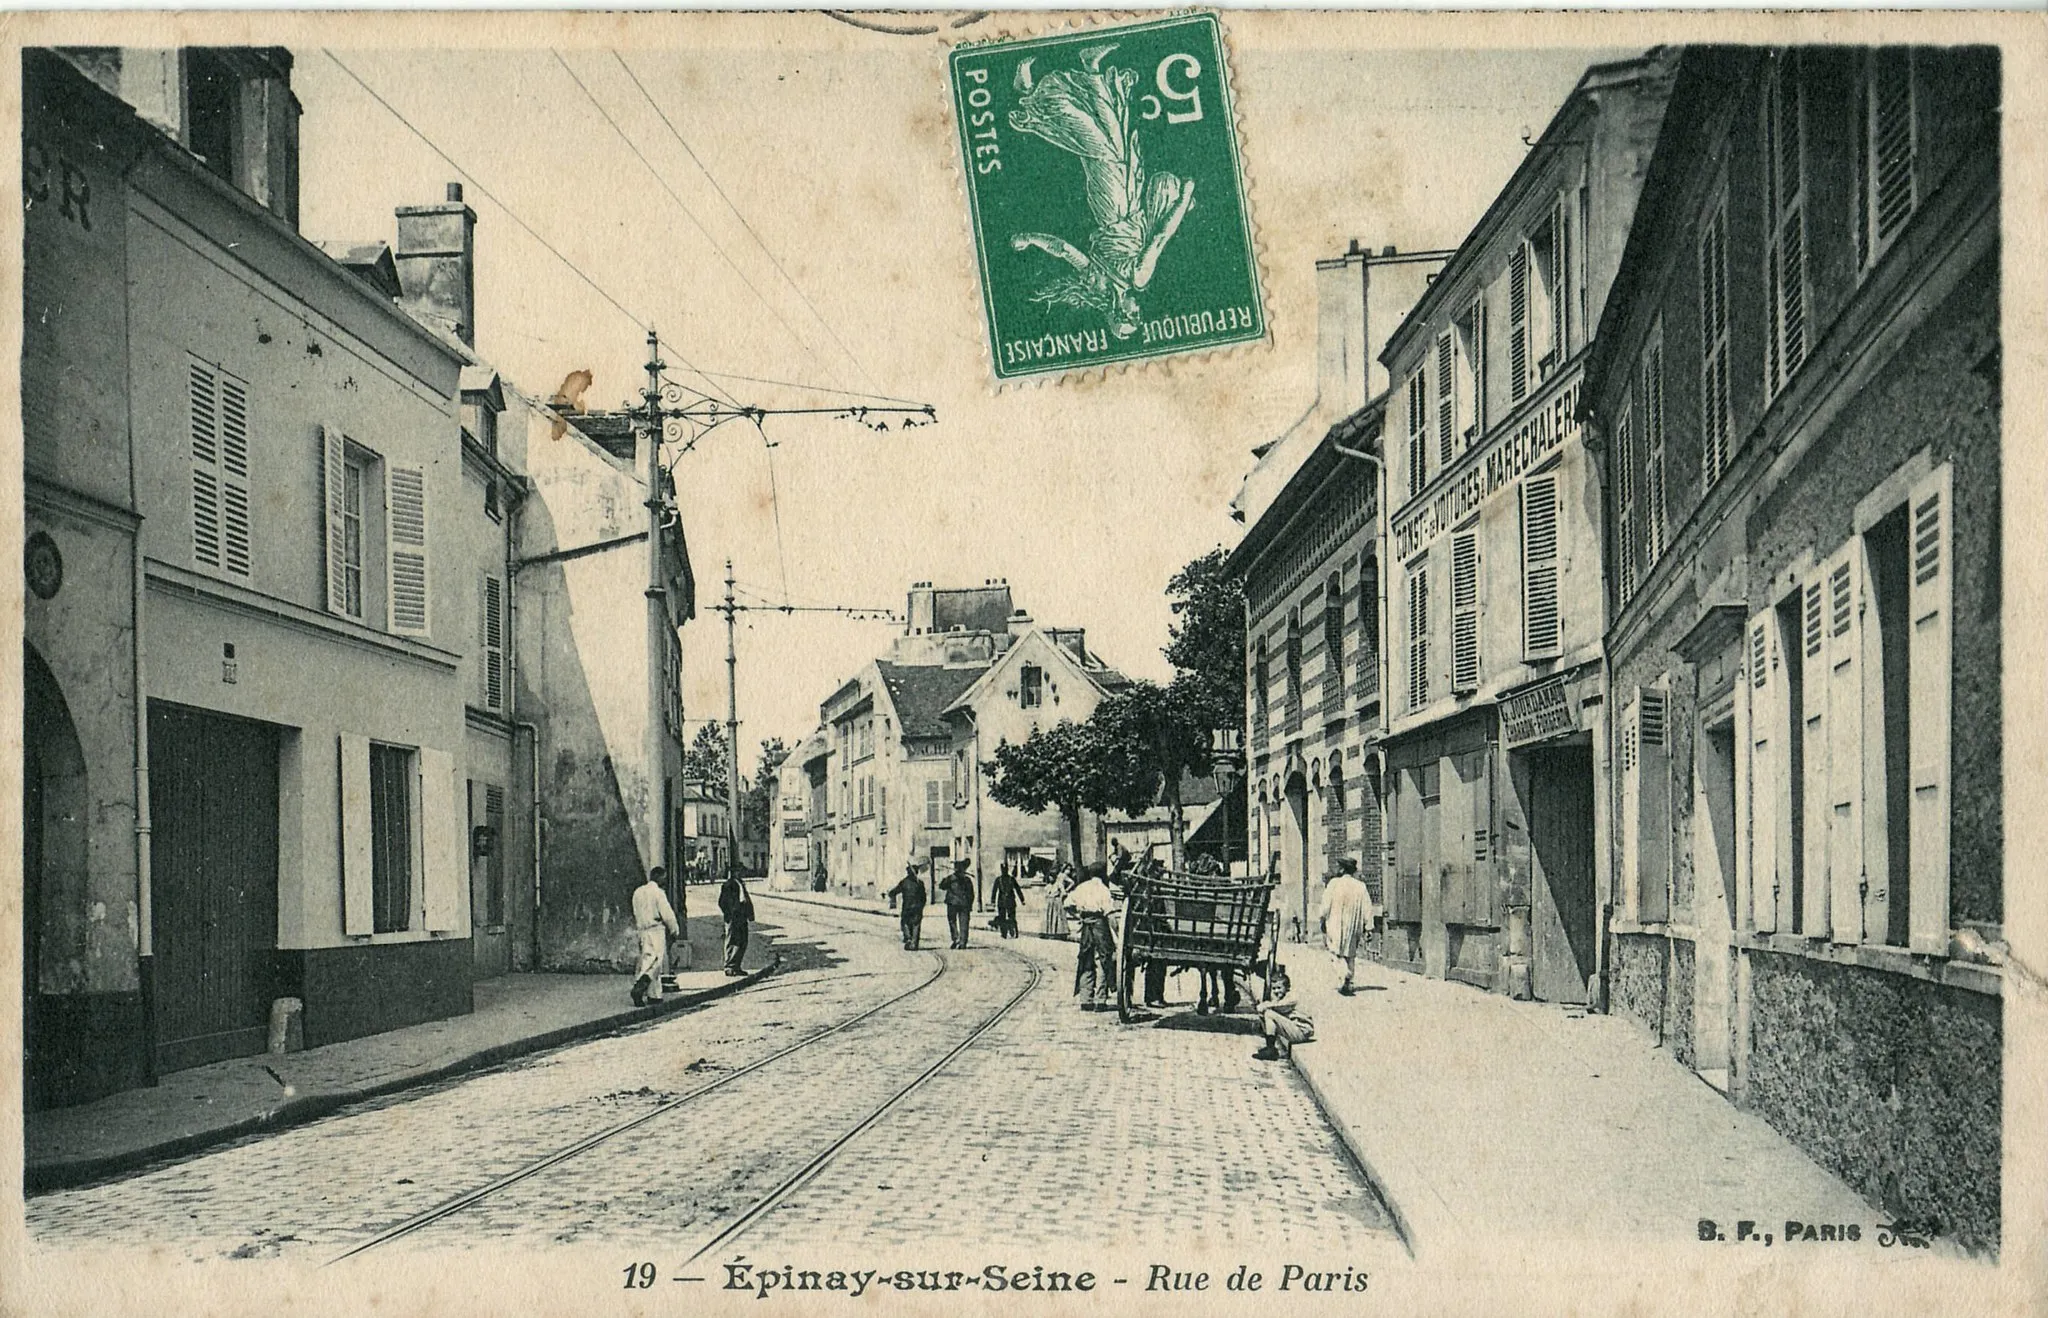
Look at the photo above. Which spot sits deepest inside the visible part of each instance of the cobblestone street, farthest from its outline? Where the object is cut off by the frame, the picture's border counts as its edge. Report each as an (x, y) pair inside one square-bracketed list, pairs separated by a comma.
[(1055, 1125)]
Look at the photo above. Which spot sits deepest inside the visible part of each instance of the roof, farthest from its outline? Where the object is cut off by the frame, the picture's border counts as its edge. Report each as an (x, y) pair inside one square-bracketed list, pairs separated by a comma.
[(1360, 430), (479, 378), (370, 262), (921, 694), (972, 608), (614, 432)]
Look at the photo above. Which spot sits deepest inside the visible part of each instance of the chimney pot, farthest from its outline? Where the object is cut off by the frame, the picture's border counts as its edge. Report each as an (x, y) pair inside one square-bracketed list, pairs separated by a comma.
[(1355, 250), (455, 192), (1389, 250)]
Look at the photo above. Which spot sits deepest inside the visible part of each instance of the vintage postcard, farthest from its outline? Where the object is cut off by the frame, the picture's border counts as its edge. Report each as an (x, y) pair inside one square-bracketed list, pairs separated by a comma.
[(1466, 742)]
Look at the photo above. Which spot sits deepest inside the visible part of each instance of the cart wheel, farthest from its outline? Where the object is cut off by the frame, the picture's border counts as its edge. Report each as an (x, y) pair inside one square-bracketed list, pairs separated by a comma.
[(1123, 998)]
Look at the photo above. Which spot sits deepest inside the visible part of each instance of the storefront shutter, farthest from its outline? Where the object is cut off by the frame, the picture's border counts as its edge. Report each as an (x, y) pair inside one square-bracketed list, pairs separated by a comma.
[(1653, 804), (1816, 759), (1843, 650), (441, 850), (406, 536), (1541, 624), (1465, 612), (1927, 662), (358, 917)]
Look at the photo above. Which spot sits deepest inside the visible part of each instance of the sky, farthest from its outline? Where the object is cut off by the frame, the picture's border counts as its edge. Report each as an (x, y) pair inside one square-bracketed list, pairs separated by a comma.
[(798, 218)]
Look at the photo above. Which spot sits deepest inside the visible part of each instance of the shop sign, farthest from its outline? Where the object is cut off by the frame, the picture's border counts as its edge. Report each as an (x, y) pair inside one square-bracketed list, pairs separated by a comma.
[(1548, 426), (1543, 711)]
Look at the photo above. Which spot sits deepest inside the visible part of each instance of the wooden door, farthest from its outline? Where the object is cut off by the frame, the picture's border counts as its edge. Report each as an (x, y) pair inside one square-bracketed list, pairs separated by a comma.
[(213, 864), (1562, 916)]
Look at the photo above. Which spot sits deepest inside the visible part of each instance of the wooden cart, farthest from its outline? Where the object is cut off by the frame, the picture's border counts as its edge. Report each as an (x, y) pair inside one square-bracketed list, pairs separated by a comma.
[(1209, 921)]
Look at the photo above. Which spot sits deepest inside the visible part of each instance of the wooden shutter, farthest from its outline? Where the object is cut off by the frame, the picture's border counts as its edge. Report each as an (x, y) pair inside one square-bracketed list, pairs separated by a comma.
[(1418, 433), (1465, 612), (491, 643), (1418, 634), (1446, 397), (1892, 151), (442, 851), (218, 428), (1654, 523), (1480, 907), (203, 394), (1624, 502), (234, 472), (1479, 363), (1560, 284), (358, 905), (1541, 624), (406, 536), (1652, 763), (1454, 842), (1928, 693), (333, 456), (1714, 416), (1842, 619), (1766, 770), (1518, 323), (1785, 253), (931, 804), (1815, 752)]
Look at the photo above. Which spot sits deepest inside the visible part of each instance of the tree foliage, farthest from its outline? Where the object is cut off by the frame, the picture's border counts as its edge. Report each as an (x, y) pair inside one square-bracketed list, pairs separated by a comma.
[(1070, 767), (1206, 639), (1165, 733), (757, 797), (704, 762)]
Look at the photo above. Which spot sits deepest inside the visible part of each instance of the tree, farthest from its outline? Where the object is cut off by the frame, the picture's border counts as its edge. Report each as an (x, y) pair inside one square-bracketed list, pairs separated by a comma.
[(1206, 640), (1163, 733), (704, 763), (1070, 767), (757, 797)]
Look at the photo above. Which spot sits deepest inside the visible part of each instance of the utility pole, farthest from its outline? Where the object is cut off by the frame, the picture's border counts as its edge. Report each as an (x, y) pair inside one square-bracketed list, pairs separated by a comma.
[(732, 726), (657, 633)]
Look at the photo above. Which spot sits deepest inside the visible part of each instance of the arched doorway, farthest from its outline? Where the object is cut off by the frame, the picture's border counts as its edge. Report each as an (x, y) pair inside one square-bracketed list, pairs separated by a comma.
[(53, 869), (1294, 843)]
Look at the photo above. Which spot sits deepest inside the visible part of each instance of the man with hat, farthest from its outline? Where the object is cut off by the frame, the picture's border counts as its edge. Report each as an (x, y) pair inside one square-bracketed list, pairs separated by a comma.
[(1090, 905), (911, 889), (1346, 914), (959, 889)]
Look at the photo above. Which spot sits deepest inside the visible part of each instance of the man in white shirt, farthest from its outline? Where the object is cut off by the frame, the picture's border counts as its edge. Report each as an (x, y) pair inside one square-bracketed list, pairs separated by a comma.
[(656, 921), (1091, 905)]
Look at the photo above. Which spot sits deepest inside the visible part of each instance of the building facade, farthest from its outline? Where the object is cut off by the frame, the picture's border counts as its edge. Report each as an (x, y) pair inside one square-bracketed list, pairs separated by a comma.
[(255, 490), (793, 855), (1495, 612), (1797, 386)]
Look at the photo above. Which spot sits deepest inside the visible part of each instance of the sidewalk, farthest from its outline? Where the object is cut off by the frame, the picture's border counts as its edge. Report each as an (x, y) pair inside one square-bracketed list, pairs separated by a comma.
[(1486, 1122), (194, 1109)]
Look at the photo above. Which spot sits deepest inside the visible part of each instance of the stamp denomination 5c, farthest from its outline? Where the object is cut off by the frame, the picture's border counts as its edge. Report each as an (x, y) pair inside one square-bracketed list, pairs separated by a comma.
[(1107, 196)]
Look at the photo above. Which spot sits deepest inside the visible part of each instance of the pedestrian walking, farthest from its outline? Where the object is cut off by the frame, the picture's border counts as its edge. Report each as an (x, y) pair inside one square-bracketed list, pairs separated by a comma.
[(1345, 915), (910, 889), (655, 920), (1009, 893), (959, 889), (738, 909), (1090, 905)]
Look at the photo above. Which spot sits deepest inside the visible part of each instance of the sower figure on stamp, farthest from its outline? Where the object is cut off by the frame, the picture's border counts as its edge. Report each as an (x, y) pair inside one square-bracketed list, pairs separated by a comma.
[(1090, 906), (655, 920), (738, 909), (910, 889), (959, 889), (1345, 916)]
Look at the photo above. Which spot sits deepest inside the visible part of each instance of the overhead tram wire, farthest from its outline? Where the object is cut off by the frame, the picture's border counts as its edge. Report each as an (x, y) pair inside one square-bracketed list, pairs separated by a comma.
[(514, 215), (688, 150), (682, 205)]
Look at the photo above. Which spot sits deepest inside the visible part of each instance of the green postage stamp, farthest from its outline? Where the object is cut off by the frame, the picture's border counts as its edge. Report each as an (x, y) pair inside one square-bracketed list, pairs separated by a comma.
[(1107, 196)]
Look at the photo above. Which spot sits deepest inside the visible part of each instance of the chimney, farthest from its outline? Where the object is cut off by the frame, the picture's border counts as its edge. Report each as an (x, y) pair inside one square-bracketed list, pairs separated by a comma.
[(1342, 370), (919, 612), (436, 255), (1020, 622)]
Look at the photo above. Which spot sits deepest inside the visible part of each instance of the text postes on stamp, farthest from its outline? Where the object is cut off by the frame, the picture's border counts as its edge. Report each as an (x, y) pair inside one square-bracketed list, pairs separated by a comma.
[(1107, 196)]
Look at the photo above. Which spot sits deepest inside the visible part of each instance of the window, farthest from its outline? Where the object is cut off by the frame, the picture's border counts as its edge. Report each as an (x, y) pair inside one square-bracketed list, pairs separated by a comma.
[(219, 430), (352, 478), (1333, 637), (491, 650), (1465, 612), (1031, 686), (1785, 245), (1262, 686), (1887, 164), (391, 838), (1715, 421), (1418, 634), (1293, 667), (1418, 432), (934, 801), (212, 126), (1549, 318), (1471, 386), (882, 808), (1542, 625), (1368, 627), (365, 496)]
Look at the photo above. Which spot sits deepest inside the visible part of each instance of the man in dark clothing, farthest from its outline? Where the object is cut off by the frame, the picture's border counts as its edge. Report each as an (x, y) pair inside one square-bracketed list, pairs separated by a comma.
[(911, 890), (738, 909), (959, 889), (1007, 894)]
